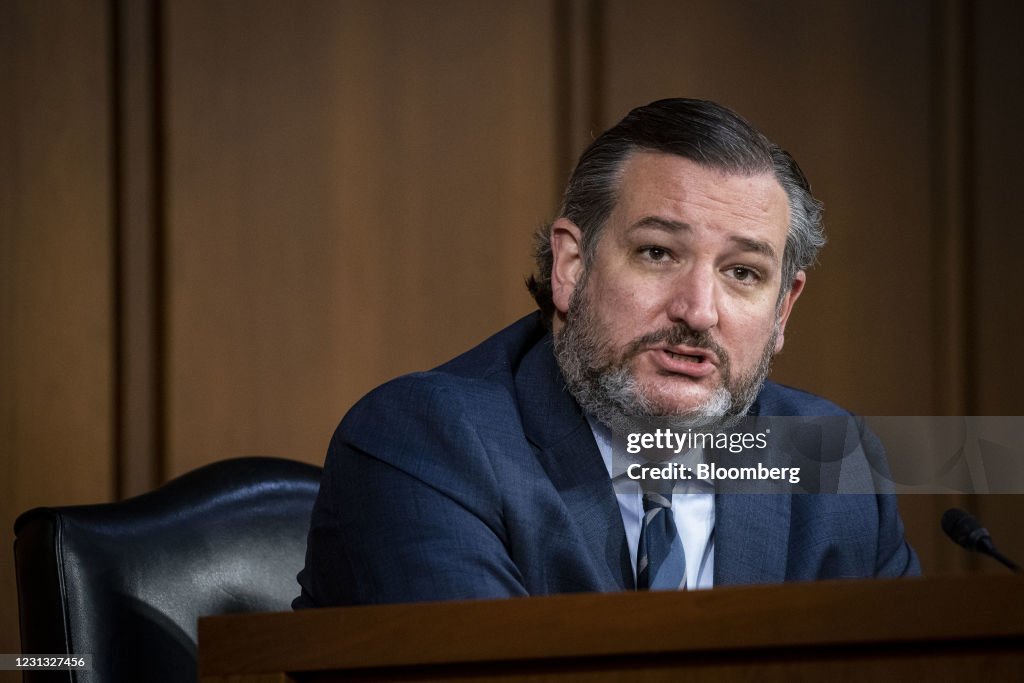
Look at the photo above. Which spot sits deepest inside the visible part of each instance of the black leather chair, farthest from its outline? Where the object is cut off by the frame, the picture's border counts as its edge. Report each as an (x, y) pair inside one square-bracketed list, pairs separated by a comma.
[(126, 582)]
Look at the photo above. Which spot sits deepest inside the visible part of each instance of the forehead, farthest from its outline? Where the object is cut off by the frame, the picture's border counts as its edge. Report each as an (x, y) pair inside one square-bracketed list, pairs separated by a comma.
[(660, 185)]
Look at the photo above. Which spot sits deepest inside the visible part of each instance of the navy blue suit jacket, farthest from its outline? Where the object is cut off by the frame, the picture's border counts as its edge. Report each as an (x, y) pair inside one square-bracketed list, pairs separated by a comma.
[(481, 479)]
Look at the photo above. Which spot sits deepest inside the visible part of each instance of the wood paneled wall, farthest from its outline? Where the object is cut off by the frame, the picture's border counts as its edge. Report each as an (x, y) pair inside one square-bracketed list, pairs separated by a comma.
[(56, 268), (996, 312), (223, 222), (350, 193)]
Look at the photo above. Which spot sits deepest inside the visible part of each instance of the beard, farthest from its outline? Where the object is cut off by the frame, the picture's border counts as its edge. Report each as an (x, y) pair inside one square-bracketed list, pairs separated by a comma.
[(599, 377)]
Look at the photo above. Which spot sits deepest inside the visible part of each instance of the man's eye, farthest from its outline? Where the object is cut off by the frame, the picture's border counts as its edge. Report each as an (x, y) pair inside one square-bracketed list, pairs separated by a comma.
[(744, 274), (655, 253)]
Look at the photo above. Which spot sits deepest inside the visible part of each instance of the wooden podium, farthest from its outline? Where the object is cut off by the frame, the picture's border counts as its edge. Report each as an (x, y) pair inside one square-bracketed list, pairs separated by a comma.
[(955, 629)]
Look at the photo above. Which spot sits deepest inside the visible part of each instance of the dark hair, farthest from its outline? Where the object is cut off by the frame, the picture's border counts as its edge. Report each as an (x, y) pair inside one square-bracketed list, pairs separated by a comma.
[(698, 130)]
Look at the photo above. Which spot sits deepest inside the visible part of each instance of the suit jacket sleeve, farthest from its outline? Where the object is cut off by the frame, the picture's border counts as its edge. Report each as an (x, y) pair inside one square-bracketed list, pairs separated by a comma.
[(895, 557), (409, 507)]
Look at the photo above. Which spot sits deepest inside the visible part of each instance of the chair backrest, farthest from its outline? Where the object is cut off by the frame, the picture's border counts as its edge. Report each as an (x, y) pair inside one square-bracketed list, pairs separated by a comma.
[(126, 582)]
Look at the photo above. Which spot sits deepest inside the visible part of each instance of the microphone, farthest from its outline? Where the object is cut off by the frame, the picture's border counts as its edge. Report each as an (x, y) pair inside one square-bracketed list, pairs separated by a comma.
[(967, 532)]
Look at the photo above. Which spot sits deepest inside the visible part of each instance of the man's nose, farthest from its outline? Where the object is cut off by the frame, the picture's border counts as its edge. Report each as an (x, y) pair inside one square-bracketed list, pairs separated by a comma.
[(694, 299)]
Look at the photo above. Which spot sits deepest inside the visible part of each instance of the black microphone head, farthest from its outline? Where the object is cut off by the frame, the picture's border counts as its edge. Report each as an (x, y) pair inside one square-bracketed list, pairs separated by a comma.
[(966, 531), (964, 528)]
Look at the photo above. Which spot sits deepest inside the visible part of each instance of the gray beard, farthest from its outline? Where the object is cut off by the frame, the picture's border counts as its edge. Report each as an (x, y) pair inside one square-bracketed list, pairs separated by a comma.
[(606, 389)]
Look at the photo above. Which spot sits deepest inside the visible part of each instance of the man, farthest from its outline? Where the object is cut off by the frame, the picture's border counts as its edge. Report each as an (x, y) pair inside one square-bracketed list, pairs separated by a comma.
[(664, 286)]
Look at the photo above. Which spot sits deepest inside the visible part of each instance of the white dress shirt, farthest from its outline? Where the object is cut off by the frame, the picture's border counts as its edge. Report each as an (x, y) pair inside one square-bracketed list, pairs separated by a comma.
[(693, 510)]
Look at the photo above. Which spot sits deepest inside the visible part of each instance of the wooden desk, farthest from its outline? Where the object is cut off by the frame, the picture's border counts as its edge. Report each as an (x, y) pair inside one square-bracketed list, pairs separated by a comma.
[(958, 629)]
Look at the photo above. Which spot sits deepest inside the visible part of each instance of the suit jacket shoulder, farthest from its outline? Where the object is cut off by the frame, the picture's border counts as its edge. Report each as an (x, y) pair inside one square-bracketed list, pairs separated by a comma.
[(435, 487), (780, 400)]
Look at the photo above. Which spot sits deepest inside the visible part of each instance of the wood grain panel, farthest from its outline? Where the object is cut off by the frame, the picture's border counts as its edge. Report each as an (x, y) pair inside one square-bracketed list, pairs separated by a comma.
[(998, 319), (351, 190), (791, 627), (137, 243), (55, 267)]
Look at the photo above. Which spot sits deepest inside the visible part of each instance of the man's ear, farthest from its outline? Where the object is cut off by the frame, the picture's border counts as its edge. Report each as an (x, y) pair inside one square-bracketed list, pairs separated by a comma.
[(566, 262), (786, 306)]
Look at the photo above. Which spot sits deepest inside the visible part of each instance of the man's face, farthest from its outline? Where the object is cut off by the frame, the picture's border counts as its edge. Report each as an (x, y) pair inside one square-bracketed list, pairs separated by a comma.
[(680, 312)]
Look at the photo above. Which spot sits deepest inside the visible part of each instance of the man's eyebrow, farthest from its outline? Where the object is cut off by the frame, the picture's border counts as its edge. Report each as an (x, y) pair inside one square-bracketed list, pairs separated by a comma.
[(659, 223), (671, 226), (756, 246)]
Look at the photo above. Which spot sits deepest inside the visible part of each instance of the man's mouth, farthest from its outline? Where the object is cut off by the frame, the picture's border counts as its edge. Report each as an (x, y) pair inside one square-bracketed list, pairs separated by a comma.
[(692, 354), (690, 361), (685, 356)]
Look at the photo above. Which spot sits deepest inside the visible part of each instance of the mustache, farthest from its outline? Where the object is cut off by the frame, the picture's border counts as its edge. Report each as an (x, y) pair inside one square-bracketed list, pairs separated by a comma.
[(677, 335)]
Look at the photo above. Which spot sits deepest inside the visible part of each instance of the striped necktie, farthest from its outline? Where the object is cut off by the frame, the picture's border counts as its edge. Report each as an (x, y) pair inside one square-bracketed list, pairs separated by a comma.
[(660, 562)]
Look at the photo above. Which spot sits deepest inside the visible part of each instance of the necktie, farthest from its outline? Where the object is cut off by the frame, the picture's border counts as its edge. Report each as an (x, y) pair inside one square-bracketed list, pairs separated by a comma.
[(660, 562)]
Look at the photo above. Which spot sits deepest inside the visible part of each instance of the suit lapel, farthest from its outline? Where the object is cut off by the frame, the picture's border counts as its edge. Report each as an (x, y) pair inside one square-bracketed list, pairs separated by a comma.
[(567, 451), (751, 533), (751, 537)]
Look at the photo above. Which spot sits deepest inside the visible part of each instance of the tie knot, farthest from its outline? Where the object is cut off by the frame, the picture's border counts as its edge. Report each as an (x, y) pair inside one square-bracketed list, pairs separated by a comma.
[(654, 500)]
